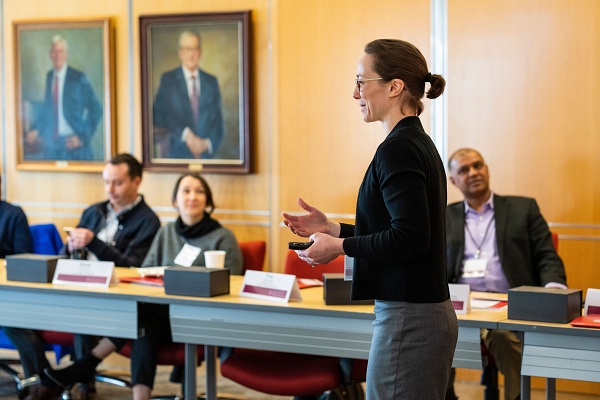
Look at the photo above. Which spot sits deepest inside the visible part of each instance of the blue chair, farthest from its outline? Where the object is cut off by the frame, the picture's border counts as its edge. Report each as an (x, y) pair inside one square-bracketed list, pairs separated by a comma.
[(46, 239)]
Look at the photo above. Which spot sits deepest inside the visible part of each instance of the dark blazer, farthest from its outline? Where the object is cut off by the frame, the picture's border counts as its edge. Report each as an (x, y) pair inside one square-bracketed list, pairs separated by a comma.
[(398, 240), (15, 237), (173, 112), (524, 242), (81, 109), (137, 228)]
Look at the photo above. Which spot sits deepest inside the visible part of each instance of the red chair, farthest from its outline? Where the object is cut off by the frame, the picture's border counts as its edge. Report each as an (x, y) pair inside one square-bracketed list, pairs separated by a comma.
[(254, 254), (289, 374), (295, 266), (61, 342)]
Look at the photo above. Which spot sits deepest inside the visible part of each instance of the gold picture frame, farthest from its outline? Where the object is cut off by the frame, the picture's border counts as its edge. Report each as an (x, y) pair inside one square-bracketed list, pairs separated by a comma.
[(64, 94), (212, 132)]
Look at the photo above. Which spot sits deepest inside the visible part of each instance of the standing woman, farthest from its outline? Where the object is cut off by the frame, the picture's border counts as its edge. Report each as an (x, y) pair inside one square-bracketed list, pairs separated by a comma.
[(398, 242)]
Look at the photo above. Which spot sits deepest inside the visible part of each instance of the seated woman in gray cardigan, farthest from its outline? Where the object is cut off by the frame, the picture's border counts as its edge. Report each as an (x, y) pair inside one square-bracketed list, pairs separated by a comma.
[(182, 242)]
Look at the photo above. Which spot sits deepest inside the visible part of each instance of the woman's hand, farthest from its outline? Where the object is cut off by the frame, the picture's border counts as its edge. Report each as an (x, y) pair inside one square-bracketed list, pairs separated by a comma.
[(324, 249), (311, 223)]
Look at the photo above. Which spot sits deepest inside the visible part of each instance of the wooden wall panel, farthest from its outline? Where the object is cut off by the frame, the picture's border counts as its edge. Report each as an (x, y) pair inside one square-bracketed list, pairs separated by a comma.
[(324, 146), (54, 196), (524, 91), (61, 196)]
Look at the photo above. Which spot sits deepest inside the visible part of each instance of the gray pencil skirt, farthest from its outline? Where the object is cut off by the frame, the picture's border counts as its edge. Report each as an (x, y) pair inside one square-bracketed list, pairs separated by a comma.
[(412, 350)]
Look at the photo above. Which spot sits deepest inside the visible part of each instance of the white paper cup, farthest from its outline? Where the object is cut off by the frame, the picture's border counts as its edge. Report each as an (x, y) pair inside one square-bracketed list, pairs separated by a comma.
[(214, 258)]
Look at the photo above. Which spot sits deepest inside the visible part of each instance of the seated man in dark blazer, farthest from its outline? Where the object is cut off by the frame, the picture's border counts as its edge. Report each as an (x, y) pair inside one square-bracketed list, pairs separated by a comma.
[(495, 243), (187, 107)]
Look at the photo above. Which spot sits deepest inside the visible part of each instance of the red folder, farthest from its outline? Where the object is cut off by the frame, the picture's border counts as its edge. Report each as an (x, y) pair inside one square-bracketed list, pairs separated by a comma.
[(144, 280), (587, 321)]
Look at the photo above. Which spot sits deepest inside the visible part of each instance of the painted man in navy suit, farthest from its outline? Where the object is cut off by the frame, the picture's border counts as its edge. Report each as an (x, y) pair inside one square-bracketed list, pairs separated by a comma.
[(69, 114), (188, 114)]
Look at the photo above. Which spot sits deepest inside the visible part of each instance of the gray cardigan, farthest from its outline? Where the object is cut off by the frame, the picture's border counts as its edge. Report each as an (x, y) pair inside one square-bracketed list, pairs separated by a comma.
[(167, 243)]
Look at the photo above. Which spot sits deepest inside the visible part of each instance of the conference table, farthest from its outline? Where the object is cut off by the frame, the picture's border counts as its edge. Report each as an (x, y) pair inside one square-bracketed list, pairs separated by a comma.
[(556, 351), (308, 326), (76, 309)]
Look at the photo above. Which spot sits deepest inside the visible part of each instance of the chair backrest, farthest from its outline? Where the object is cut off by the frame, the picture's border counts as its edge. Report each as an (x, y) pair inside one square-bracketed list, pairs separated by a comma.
[(46, 239), (254, 254), (5, 342), (555, 240), (295, 266)]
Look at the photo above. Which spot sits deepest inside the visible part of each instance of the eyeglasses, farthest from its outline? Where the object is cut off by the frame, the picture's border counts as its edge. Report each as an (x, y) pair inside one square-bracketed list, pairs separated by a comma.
[(361, 81)]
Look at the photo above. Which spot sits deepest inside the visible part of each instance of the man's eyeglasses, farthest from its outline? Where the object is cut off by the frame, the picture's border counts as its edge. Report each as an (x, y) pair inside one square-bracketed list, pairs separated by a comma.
[(361, 81)]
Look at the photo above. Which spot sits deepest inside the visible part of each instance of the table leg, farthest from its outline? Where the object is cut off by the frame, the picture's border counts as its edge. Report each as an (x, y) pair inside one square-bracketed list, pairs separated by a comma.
[(550, 389), (191, 361), (210, 355), (525, 387)]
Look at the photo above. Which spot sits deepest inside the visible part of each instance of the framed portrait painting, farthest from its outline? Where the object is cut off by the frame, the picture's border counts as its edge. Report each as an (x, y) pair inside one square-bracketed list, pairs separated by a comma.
[(195, 80), (64, 107)]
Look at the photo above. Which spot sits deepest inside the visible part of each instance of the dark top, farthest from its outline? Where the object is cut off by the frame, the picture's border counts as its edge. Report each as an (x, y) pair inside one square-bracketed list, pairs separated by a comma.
[(15, 237), (524, 242), (134, 236), (399, 240)]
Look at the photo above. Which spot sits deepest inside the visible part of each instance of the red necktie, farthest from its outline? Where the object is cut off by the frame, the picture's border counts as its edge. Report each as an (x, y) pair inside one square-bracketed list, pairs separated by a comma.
[(55, 106), (194, 101)]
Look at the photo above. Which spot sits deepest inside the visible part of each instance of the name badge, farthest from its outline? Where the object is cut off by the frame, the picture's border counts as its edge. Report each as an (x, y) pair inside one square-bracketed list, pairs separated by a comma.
[(187, 255), (270, 286), (475, 268), (84, 273), (348, 268)]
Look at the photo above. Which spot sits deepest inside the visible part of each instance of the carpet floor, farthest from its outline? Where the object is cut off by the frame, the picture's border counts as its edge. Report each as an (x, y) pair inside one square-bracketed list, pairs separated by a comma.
[(119, 365), (226, 388)]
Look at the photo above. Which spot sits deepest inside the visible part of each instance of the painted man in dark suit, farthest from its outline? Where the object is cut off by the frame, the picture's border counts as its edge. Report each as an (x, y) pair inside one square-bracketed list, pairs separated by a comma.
[(187, 109), (495, 243), (69, 115)]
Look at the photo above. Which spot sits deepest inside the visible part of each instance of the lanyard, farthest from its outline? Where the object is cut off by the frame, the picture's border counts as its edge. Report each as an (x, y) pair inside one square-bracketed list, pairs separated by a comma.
[(478, 245)]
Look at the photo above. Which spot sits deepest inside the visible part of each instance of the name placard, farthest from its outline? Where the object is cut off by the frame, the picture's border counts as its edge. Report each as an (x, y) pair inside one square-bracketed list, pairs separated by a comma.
[(348, 268), (270, 286), (459, 295), (592, 302), (84, 273)]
